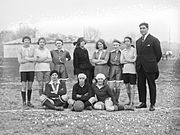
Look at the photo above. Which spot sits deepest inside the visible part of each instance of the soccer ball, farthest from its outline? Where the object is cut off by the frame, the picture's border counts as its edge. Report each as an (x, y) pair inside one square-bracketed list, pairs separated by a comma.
[(78, 106)]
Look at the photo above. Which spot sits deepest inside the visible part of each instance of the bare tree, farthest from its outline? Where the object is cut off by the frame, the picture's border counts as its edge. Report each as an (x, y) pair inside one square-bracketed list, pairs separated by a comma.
[(91, 33)]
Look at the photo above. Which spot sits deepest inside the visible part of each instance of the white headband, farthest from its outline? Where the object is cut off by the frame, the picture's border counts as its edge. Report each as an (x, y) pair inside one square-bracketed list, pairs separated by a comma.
[(100, 75), (82, 75)]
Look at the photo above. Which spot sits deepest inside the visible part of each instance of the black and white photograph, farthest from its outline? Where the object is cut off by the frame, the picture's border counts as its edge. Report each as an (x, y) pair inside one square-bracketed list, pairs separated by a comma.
[(89, 67)]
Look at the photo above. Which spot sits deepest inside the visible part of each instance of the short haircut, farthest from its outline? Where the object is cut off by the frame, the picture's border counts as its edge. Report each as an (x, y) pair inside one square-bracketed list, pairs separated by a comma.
[(103, 42), (59, 40), (54, 71), (117, 41), (41, 38), (145, 24), (26, 37), (129, 38)]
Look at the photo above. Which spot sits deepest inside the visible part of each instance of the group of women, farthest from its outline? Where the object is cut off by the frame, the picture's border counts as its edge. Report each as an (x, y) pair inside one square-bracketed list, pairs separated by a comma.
[(99, 79)]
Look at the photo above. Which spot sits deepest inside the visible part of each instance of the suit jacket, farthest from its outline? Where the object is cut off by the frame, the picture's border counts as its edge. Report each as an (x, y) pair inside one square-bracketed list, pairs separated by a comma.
[(148, 54)]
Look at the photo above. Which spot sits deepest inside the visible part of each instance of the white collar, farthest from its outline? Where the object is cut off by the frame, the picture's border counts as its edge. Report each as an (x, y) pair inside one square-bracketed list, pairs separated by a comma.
[(115, 50), (81, 85), (99, 86), (58, 82), (26, 48), (128, 48), (55, 90), (145, 36), (61, 50), (101, 51)]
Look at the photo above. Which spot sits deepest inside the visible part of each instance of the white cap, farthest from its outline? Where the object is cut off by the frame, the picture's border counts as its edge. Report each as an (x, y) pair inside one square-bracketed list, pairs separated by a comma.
[(82, 75), (100, 75)]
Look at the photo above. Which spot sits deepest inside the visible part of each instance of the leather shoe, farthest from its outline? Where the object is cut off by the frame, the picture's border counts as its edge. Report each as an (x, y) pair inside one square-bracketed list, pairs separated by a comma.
[(151, 108), (89, 108), (59, 108), (142, 105)]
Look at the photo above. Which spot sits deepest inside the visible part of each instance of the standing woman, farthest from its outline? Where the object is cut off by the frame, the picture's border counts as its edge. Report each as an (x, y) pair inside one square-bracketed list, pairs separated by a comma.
[(26, 69), (81, 60), (59, 57), (100, 58), (42, 66), (128, 58)]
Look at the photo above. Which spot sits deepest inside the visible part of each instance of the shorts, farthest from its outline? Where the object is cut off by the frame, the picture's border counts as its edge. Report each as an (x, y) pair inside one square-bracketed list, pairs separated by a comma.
[(27, 76), (115, 73), (43, 76), (129, 78), (61, 70)]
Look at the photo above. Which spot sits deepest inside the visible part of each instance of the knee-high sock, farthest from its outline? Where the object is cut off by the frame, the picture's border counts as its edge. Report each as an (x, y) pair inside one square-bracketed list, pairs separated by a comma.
[(40, 92), (129, 96), (132, 93), (29, 92), (23, 94), (117, 94), (49, 105)]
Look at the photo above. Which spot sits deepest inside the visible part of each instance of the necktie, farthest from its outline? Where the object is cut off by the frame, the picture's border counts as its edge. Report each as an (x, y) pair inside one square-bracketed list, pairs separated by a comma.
[(143, 38)]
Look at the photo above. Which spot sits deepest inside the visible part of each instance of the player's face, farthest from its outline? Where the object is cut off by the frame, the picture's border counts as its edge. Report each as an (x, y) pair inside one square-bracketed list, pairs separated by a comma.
[(127, 42), (82, 44), (100, 46), (54, 77), (81, 80), (26, 42), (116, 45), (42, 43), (100, 81), (59, 44), (143, 29)]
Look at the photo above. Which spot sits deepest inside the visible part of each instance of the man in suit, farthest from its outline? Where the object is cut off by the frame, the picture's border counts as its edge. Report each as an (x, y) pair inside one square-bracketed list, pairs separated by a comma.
[(148, 55)]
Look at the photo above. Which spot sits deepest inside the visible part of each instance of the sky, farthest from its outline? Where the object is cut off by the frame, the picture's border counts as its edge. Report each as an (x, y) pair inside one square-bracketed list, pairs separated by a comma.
[(112, 18)]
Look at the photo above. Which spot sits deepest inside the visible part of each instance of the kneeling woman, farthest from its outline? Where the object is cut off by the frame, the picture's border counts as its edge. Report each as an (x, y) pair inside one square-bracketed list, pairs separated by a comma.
[(54, 96), (103, 95), (82, 91)]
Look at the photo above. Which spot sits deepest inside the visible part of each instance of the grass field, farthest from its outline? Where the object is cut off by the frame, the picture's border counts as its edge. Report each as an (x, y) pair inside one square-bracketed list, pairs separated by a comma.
[(16, 121)]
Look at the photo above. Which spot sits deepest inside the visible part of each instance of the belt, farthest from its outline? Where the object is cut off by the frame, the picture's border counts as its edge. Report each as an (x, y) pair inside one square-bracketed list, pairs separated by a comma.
[(115, 65), (59, 64)]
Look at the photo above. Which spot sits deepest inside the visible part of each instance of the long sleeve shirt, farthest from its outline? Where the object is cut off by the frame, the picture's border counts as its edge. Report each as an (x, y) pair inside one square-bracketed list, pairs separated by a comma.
[(128, 58), (85, 92), (42, 66), (100, 55), (52, 91), (114, 57), (103, 93), (26, 53), (59, 57)]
